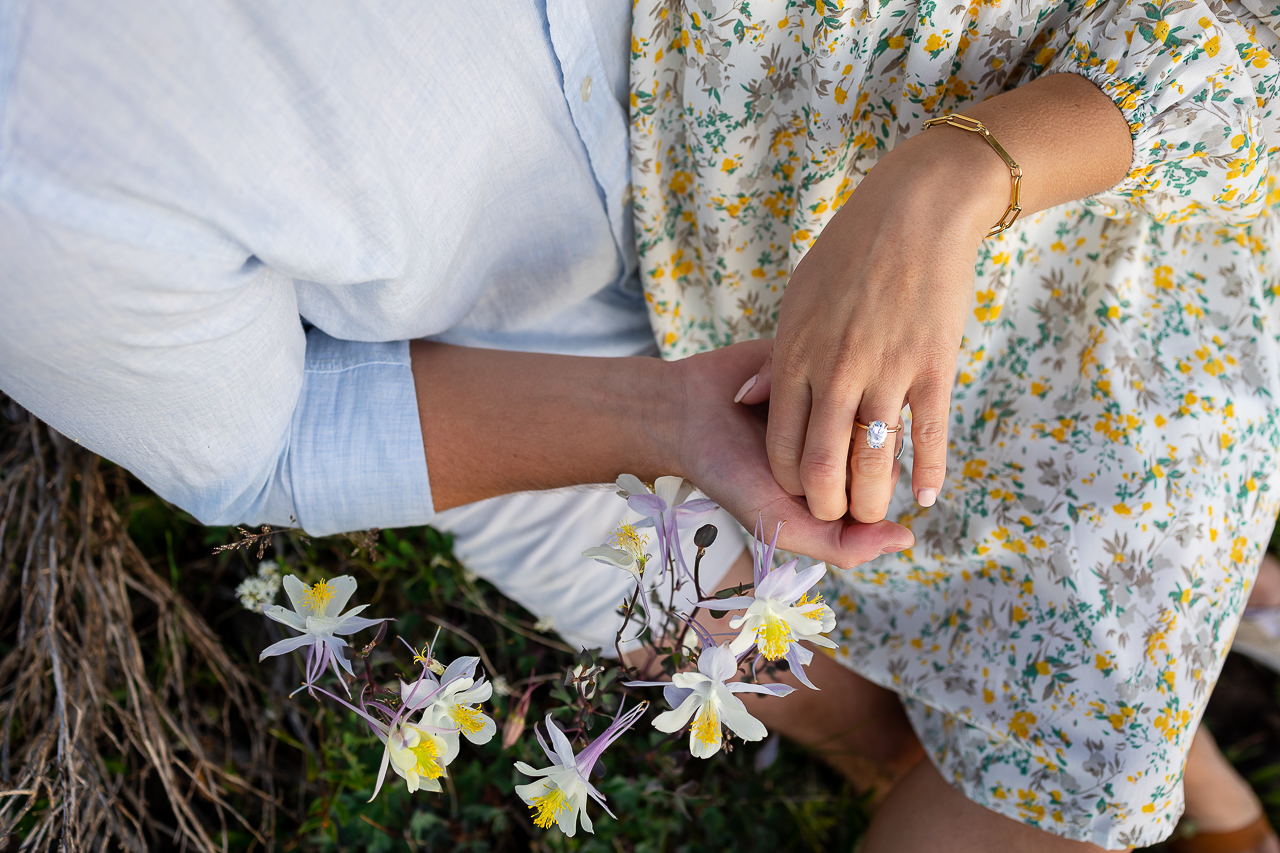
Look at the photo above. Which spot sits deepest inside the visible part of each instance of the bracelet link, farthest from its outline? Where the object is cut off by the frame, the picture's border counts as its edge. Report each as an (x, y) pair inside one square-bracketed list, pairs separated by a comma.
[(1015, 171)]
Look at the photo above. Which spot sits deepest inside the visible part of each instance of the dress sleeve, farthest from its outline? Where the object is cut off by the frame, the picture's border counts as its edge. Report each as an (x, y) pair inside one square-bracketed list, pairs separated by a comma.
[(1198, 87), (162, 347)]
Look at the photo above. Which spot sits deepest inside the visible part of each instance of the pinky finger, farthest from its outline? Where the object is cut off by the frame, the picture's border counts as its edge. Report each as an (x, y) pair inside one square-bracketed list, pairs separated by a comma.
[(930, 409)]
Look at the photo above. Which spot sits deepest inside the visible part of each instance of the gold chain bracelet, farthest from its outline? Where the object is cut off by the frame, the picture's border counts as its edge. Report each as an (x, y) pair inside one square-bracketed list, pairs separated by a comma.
[(1015, 171)]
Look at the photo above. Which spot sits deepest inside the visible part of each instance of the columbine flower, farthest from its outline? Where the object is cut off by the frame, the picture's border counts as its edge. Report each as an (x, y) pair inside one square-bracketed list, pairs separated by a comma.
[(780, 613), (706, 697), (451, 709), (560, 796), (317, 613), (417, 754), (624, 551), (666, 509)]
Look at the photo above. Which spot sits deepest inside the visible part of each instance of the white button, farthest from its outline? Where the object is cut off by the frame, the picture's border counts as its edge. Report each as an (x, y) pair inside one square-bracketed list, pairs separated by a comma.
[(586, 88)]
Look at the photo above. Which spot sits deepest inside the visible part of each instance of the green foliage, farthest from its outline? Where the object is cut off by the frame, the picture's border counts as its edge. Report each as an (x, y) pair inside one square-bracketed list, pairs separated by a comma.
[(664, 799)]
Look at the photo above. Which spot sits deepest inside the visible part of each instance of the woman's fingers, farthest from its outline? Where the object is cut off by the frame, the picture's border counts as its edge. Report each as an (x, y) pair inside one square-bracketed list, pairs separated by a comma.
[(790, 400), (756, 389), (824, 464), (871, 462), (930, 405)]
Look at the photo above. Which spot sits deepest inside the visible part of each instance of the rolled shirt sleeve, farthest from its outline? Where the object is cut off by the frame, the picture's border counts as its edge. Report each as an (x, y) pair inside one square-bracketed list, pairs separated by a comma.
[(1197, 86), (356, 457), (191, 369)]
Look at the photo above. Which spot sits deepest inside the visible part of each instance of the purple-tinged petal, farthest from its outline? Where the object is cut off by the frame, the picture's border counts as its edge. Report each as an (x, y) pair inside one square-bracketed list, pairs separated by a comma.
[(286, 645), (335, 648), (673, 695), (650, 506), (770, 689), (285, 617), (697, 510), (797, 663), (352, 624), (463, 667), (775, 583)]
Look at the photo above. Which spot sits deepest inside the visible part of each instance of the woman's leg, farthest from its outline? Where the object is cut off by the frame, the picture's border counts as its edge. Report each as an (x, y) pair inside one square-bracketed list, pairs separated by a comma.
[(1266, 589), (1218, 798), (923, 813)]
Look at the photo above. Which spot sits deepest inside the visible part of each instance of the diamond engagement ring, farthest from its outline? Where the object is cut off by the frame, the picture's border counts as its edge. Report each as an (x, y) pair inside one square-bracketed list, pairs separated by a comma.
[(877, 432)]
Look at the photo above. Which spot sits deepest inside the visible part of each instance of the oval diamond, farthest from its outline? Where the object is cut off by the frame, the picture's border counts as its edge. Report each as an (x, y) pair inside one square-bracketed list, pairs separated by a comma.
[(877, 432)]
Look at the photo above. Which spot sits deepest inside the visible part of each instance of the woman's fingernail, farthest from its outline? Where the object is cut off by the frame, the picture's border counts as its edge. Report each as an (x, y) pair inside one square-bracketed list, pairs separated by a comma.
[(926, 497), (746, 386)]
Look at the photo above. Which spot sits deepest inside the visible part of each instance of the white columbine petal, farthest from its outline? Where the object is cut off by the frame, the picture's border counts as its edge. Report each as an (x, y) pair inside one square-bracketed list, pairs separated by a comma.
[(317, 614), (560, 796)]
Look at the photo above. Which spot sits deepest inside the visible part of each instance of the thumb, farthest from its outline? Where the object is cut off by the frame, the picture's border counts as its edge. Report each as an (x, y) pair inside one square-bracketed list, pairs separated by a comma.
[(756, 389)]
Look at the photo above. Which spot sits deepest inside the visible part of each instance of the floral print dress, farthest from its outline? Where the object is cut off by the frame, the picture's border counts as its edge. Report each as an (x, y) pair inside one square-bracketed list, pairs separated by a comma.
[(1059, 625)]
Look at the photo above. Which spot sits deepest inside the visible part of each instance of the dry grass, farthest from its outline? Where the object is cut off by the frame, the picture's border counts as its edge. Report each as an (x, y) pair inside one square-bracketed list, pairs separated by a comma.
[(102, 746)]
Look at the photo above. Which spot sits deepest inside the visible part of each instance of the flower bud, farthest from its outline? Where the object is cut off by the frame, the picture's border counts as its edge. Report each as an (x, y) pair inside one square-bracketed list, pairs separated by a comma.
[(512, 729), (705, 536)]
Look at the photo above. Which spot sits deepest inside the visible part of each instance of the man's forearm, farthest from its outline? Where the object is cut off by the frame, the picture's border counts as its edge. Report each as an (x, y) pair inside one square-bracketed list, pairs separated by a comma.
[(497, 422)]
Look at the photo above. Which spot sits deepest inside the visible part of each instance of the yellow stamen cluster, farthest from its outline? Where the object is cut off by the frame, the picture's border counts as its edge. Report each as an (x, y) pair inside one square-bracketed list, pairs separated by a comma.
[(627, 539), (426, 753), (423, 657), (547, 806), (773, 638), (317, 596), (468, 720), (804, 599), (706, 728)]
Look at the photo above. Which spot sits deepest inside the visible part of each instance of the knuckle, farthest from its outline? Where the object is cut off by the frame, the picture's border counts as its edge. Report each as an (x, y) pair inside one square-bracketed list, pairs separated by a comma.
[(929, 435), (929, 474), (783, 448), (871, 464), (821, 470), (869, 508)]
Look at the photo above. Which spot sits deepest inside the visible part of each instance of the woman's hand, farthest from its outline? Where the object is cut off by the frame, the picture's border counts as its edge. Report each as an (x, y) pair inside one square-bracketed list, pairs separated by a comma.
[(873, 315), (720, 446)]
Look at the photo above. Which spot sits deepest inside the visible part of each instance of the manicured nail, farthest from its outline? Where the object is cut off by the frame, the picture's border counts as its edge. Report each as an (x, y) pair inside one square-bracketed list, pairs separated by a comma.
[(746, 386), (926, 497)]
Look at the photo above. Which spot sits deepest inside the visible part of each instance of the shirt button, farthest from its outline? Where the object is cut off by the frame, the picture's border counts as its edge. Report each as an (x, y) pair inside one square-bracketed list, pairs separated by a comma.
[(586, 88)]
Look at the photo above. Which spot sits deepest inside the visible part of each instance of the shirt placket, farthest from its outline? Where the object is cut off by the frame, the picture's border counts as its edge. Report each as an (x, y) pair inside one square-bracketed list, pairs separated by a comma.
[(597, 116)]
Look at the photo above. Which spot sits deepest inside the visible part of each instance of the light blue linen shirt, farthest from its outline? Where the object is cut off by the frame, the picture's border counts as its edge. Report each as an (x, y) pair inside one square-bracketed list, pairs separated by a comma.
[(181, 184)]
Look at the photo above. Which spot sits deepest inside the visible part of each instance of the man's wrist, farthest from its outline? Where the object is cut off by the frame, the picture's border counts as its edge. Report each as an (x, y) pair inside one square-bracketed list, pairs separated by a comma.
[(657, 398)]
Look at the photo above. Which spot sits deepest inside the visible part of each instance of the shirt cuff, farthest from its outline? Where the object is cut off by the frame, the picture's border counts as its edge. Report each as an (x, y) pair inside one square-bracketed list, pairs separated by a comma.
[(356, 458)]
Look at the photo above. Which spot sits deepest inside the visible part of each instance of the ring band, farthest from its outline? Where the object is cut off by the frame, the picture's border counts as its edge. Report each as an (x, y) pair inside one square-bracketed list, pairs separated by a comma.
[(877, 432)]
